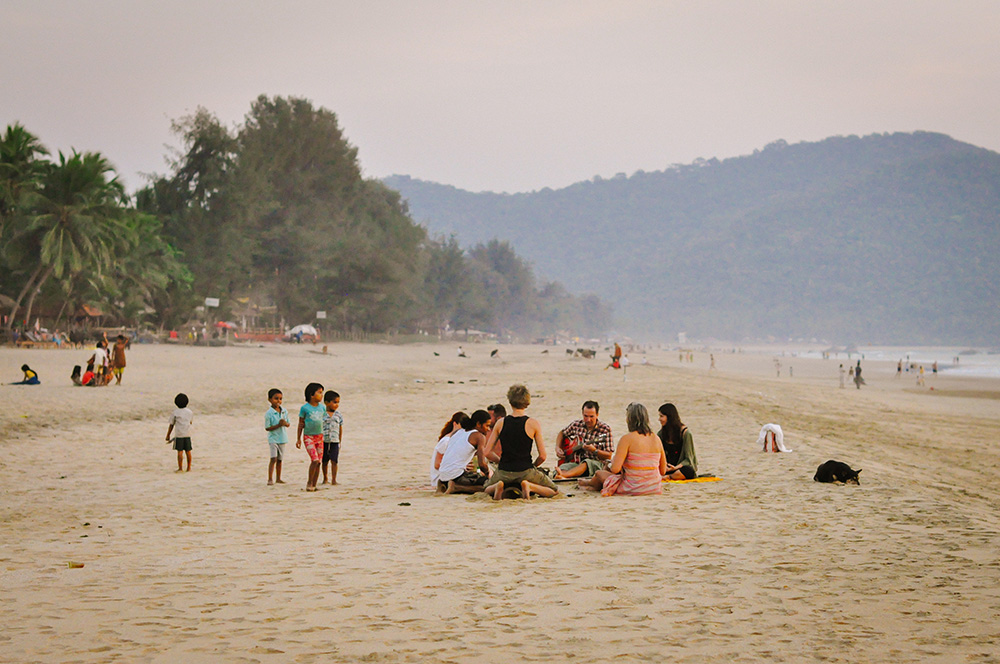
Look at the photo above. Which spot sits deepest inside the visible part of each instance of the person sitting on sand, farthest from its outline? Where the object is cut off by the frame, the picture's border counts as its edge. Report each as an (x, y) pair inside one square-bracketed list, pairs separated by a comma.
[(512, 438), (453, 474), (450, 427), (585, 446), (30, 377), (639, 461), (678, 445)]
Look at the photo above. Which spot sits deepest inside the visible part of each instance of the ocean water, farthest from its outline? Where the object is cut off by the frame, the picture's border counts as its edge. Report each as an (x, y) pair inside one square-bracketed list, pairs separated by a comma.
[(984, 363)]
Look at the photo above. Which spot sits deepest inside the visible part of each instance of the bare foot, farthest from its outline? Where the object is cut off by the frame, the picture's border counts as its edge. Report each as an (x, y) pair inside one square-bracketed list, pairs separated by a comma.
[(498, 491), (333, 484), (325, 482), (270, 483), (310, 488), (451, 487), (279, 481), (179, 470), (525, 490)]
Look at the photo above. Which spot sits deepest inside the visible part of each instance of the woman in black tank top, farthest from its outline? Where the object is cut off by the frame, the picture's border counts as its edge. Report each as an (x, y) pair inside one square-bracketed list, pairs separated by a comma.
[(515, 445)]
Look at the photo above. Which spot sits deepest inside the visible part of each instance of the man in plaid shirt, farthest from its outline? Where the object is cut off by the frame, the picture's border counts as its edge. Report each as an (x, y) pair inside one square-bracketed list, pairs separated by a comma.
[(585, 446)]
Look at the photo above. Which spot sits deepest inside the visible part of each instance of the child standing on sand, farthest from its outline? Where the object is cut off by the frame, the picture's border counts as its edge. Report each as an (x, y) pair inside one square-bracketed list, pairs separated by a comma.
[(311, 431), (275, 423), (333, 434), (180, 424)]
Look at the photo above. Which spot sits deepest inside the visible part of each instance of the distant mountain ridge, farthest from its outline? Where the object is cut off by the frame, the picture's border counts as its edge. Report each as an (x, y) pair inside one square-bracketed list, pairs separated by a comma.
[(889, 238)]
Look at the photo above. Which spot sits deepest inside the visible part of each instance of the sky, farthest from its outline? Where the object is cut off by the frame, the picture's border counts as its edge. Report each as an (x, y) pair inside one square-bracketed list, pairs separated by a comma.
[(504, 96)]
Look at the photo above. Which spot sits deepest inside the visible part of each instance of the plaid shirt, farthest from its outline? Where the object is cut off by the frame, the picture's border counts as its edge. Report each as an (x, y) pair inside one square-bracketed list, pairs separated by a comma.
[(599, 436)]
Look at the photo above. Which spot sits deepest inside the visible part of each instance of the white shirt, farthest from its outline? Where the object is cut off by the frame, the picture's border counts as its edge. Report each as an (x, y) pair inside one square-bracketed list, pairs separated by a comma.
[(181, 419), (440, 448), (100, 357), (457, 456)]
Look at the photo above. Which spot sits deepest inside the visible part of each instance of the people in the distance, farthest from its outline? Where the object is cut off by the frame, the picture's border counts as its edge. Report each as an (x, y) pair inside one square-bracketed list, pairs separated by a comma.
[(678, 445), (639, 461), (512, 438), (585, 446)]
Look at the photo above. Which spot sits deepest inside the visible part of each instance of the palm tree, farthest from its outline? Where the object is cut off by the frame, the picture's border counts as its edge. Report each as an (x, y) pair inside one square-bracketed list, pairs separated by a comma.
[(20, 170), (74, 221)]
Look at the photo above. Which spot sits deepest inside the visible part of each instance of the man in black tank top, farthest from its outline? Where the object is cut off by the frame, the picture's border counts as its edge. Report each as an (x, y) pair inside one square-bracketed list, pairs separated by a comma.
[(512, 437)]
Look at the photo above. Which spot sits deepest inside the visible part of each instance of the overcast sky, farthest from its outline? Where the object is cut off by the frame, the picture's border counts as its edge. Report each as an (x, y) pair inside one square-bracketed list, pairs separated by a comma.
[(505, 96)]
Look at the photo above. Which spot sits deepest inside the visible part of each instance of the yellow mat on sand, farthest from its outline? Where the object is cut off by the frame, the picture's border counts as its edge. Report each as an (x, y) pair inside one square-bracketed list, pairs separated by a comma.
[(697, 479)]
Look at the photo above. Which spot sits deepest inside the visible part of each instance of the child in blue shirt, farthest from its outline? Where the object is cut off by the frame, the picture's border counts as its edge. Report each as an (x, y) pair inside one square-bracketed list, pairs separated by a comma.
[(275, 423), (333, 434), (310, 431)]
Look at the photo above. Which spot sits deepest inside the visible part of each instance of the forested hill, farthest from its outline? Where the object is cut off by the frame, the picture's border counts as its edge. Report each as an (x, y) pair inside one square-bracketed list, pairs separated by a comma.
[(882, 239)]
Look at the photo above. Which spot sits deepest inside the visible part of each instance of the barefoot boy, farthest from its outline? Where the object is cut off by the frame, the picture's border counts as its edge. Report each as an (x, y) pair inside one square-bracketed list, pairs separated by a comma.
[(333, 434), (275, 423), (181, 419), (311, 431)]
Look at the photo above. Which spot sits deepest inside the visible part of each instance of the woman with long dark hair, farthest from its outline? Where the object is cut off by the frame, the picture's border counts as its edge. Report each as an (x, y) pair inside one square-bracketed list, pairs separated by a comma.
[(450, 427), (678, 445)]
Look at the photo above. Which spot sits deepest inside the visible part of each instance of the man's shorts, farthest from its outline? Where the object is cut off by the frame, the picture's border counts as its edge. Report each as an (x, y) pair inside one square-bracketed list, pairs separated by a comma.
[(182, 444), (467, 478), (593, 465), (331, 452), (118, 371), (533, 475), (277, 451), (314, 446)]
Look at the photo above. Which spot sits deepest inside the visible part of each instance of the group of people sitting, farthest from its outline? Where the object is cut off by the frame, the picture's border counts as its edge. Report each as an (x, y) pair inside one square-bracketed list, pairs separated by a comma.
[(491, 451), (103, 364)]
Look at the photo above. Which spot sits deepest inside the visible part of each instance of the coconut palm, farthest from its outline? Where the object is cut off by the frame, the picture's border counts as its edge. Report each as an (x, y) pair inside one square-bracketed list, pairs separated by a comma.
[(20, 170), (73, 222)]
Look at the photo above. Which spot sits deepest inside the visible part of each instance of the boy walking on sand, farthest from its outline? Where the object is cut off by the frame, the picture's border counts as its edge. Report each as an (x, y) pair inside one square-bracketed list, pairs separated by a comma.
[(311, 431), (180, 424), (333, 434), (275, 423)]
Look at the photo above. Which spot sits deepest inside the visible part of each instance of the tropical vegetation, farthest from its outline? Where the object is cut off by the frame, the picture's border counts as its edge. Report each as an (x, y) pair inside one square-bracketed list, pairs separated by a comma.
[(272, 218)]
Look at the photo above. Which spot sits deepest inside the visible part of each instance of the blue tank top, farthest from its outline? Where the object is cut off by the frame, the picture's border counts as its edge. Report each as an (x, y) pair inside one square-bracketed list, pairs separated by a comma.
[(515, 454)]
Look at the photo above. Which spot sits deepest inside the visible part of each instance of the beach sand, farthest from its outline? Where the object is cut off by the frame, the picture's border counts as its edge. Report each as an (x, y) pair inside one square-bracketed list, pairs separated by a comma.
[(765, 565)]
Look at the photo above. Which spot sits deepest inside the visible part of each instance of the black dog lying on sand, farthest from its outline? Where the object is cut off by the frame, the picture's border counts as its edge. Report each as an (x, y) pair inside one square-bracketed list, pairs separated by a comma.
[(836, 471)]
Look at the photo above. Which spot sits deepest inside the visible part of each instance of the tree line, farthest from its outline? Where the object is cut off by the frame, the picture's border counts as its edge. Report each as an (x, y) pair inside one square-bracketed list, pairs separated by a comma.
[(272, 213)]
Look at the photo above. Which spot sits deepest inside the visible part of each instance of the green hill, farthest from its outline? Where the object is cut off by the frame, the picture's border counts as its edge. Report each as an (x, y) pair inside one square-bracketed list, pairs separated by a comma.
[(881, 239)]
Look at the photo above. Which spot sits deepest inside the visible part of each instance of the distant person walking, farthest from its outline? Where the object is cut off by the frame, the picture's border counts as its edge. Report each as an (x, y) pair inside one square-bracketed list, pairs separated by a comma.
[(858, 380)]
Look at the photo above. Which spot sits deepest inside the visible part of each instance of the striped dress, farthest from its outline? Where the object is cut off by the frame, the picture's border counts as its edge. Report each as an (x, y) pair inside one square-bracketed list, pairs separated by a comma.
[(640, 476)]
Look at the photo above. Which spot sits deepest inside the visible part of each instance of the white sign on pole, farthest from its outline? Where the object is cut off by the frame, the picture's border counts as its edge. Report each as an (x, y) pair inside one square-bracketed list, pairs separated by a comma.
[(320, 315), (211, 302)]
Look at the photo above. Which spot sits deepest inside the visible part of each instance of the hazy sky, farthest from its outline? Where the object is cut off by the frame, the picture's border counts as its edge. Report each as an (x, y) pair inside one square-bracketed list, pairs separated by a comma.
[(505, 96)]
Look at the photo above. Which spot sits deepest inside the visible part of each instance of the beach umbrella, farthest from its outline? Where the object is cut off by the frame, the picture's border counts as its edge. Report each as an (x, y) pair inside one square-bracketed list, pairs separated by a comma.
[(226, 324)]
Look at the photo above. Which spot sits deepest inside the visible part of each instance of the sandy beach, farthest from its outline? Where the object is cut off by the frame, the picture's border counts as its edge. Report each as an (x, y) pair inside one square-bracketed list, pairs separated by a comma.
[(765, 565)]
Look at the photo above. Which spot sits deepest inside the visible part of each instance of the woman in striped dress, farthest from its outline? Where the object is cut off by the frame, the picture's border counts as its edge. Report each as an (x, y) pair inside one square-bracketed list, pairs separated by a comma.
[(639, 462)]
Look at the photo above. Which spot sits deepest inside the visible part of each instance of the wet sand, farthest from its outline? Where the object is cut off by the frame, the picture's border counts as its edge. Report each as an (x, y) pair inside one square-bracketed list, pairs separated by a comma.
[(214, 565)]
